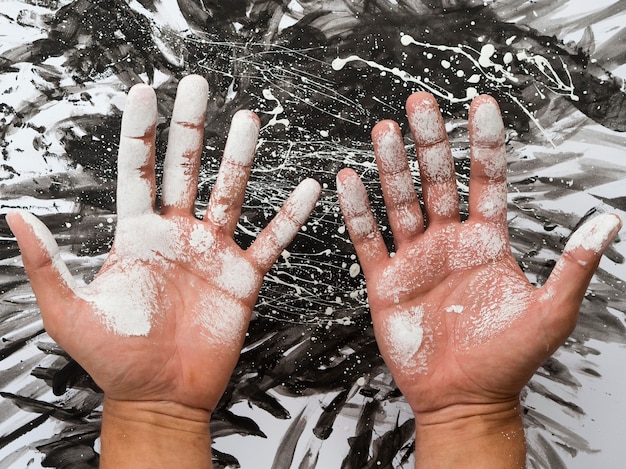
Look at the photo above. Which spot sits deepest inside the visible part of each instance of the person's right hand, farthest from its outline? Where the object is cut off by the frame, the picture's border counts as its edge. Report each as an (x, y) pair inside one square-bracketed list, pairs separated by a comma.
[(457, 322), (165, 318)]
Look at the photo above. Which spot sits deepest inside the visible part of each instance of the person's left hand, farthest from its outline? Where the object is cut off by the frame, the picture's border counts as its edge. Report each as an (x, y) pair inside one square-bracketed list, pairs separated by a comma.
[(455, 318), (166, 316)]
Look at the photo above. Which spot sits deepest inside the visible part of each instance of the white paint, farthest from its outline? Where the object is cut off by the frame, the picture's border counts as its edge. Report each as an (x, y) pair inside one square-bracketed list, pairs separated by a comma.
[(390, 150), (392, 284), (223, 319), (594, 234), (425, 120), (494, 307), (492, 202), (147, 238), (134, 193), (235, 275), (487, 123), (458, 309), (484, 244), (443, 204), (436, 162), (219, 213), (355, 269), (201, 239), (185, 140), (125, 297), (487, 69), (278, 109), (242, 138), (287, 223), (47, 243), (404, 334), (354, 205), (408, 220)]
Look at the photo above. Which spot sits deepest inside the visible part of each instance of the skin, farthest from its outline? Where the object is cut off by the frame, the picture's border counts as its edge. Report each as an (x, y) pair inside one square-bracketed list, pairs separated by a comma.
[(484, 328), (161, 386)]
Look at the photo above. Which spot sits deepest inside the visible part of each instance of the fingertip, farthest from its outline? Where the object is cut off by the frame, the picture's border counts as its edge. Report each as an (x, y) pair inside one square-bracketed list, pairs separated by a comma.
[(23, 223), (242, 138), (347, 178), (194, 81), (12, 217), (353, 198), (485, 121), (595, 235), (140, 112), (383, 128), (483, 99), (191, 101), (425, 119), (312, 187), (245, 115), (344, 175), (138, 89), (141, 93), (305, 196), (421, 99)]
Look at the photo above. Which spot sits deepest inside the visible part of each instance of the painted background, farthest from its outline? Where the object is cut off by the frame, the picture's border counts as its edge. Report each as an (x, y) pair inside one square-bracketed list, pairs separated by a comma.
[(310, 389)]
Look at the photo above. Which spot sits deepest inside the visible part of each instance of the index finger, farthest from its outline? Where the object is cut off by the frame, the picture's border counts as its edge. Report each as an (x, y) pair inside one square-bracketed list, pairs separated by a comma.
[(364, 232), (285, 225), (135, 160)]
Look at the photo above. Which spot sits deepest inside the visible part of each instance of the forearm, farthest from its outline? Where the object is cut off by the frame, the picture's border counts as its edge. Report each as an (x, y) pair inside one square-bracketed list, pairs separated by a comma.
[(477, 437), (154, 435)]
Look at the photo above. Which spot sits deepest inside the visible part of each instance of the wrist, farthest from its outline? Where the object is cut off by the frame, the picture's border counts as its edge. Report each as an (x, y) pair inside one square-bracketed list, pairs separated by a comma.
[(478, 436), (141, 434)]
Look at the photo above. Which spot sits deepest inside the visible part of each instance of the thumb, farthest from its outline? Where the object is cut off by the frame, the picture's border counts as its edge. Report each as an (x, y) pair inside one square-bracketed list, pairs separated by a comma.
[(566, 286), (49, 277)]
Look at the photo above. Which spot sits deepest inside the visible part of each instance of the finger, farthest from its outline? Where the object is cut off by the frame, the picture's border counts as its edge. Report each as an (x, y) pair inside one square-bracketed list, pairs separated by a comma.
[(441, 200), (285, 225), (227, 196), (360, 221), (564, 290), (403, 208), (487, 188), (135, 162), (49, 277), (184, 147)]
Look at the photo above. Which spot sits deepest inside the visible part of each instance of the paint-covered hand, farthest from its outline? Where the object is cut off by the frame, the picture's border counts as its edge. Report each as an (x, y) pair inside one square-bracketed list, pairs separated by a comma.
[(456, 320), (166, 316)]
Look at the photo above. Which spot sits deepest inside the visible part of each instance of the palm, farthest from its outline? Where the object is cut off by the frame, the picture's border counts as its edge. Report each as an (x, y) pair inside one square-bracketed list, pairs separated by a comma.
[(197, 303), (455, 318), (166, 316)]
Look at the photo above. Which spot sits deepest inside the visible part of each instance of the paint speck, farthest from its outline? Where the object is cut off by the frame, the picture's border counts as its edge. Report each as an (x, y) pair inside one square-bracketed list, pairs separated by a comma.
[(355, 269)]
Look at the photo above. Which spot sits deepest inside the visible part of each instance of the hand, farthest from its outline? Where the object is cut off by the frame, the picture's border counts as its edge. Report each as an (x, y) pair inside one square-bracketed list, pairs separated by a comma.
[(457, 322), (166, 316)]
